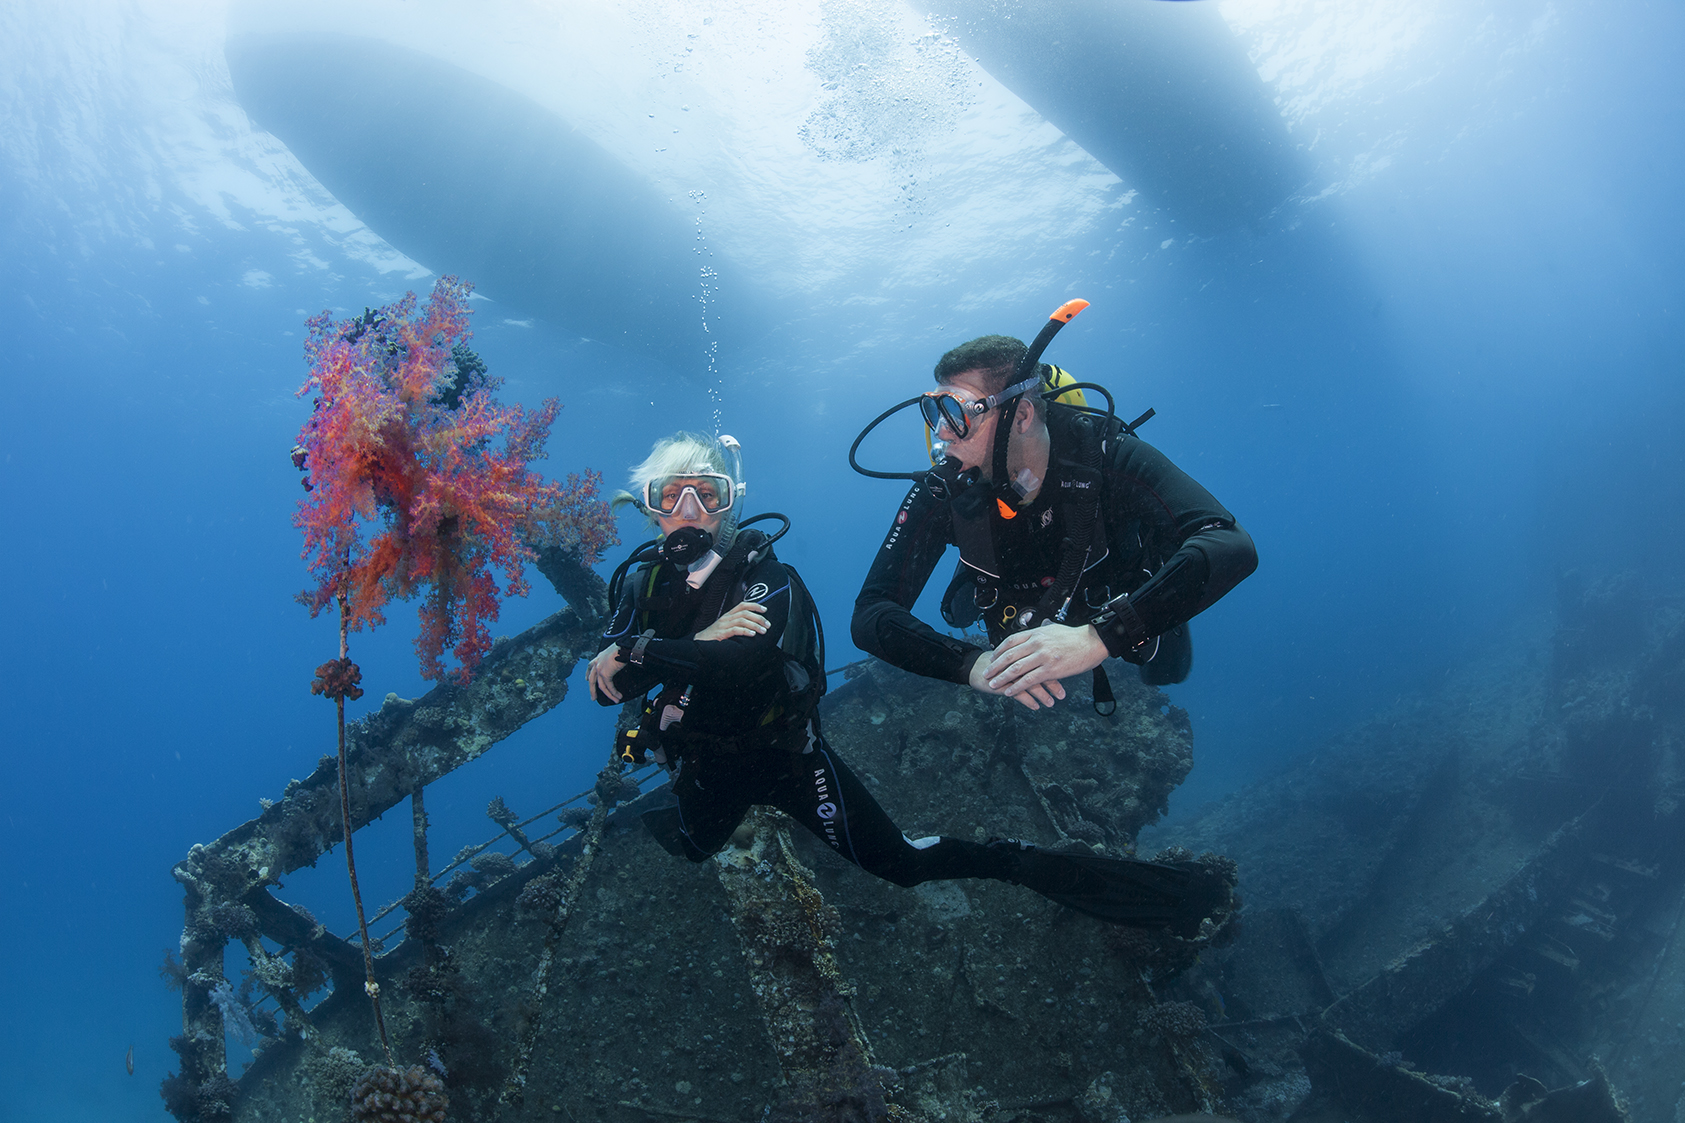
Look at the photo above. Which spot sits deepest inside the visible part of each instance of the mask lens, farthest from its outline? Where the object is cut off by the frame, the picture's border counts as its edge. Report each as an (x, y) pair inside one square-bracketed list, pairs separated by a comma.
[(712, 493), (931, 411), (958, 419), (945, 411)]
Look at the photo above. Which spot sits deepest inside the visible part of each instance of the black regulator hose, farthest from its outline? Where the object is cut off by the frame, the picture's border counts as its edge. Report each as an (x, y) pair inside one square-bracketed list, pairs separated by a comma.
[(867, 431), (1056, 392), (764, 515), (646, 551)]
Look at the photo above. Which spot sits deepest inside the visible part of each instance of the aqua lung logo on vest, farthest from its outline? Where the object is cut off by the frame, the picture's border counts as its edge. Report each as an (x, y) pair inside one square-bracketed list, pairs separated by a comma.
[(825, 809), (1046, 518), (756, 591)]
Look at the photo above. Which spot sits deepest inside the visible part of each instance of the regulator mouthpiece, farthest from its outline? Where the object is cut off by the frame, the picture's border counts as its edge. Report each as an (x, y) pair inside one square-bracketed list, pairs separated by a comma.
[(686, 545)]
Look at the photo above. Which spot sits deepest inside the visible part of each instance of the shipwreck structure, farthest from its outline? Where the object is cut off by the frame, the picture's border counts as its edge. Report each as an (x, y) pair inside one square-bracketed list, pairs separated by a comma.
[(1476, 895), (1450, 911), (570, 969)]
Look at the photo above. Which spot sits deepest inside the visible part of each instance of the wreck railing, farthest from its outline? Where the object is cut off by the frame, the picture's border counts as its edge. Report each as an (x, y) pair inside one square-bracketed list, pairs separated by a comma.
[(572, 818), (391, 755)]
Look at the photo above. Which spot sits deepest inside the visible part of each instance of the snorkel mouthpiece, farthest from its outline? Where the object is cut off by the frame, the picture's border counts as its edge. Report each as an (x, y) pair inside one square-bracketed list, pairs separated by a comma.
[(686, 545)]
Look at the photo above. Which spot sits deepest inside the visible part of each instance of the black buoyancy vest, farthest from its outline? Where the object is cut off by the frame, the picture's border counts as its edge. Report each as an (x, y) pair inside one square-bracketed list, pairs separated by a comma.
[(987, 586), (802, 644)]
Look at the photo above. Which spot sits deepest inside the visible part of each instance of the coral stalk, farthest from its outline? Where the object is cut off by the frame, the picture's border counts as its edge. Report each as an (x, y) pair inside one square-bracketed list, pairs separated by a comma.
[(370, 987)]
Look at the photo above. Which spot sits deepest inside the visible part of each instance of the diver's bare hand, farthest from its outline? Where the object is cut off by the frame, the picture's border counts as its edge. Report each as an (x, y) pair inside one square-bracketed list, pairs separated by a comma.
[(1040, 657), (600, 674), (1033, 699), (747, 619)]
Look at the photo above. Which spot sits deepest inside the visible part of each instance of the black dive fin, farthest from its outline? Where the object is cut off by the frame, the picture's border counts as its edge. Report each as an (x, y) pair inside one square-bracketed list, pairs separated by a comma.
[(1173, 895), (663, 825)]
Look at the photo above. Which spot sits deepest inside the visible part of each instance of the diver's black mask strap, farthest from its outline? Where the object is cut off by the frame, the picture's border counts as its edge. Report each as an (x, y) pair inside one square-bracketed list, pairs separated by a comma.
[(1003, 435)]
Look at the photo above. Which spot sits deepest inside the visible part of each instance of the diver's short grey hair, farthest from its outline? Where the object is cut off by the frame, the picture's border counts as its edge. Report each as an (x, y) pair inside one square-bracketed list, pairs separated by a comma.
[(682, 454)]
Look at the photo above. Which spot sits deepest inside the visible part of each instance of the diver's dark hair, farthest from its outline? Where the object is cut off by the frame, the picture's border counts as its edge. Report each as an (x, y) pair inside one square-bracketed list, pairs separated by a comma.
[(997, 356)]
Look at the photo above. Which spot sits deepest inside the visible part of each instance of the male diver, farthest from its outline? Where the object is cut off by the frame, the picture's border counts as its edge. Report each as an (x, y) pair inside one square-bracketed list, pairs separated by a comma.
[(728, 634), (1078, 540)]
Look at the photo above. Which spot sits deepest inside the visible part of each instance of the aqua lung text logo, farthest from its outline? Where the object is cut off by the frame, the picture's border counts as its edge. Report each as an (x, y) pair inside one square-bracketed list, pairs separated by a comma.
[(900, 521), (825, 809)]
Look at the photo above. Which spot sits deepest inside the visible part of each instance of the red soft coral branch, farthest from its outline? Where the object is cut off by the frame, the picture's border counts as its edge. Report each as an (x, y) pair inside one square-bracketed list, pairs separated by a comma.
[(407, 493)]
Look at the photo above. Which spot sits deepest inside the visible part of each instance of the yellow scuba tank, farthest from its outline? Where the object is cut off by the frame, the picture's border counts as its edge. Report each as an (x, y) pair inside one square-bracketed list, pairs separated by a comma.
[(1059, 376)]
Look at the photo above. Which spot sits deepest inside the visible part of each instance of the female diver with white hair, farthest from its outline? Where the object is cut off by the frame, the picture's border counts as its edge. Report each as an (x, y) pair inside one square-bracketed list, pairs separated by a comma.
[(729, 634)]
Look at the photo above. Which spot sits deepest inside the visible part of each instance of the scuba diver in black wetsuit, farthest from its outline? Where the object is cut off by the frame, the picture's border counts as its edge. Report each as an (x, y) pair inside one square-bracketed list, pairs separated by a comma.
[(1078, 540), (730, 636)]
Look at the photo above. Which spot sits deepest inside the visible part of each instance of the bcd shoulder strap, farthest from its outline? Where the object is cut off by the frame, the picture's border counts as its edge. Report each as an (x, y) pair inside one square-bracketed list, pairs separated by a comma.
[(1081, 483), (648, 603), (745, 550)]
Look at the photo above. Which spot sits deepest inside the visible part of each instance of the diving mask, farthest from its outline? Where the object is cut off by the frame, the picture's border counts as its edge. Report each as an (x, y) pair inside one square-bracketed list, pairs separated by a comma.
[(948, 416), (690, 496), (943, 409)]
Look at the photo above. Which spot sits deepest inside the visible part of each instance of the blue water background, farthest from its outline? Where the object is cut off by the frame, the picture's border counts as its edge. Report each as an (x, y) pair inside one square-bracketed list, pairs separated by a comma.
[(1425, 399)]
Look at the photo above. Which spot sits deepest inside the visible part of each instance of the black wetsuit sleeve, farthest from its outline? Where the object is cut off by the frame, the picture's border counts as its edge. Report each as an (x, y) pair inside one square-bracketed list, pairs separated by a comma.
[(709, 663), (883, 623), (1212, 555)]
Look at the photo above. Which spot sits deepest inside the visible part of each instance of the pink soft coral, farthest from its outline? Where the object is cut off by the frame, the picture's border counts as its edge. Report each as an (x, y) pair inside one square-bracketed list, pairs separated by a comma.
[(399, 449)]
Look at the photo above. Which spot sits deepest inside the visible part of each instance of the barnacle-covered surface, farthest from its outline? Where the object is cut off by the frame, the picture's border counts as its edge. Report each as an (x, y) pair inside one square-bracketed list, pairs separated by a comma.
[(392, 753), (945, 759), (777, 981)]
